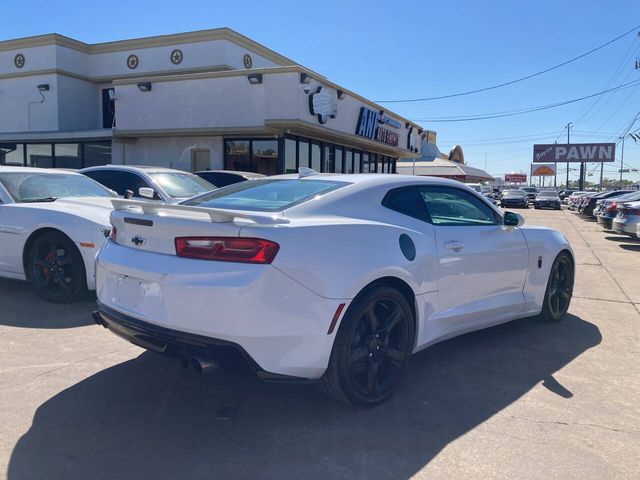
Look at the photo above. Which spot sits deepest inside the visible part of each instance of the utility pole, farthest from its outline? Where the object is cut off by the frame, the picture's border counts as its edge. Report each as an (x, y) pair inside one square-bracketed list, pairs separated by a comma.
[(622, 158), (568, 142)]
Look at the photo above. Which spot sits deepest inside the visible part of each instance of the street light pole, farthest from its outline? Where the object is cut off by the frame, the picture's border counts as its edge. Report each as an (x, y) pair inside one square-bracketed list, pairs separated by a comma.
[(622, 158), (568, 142)]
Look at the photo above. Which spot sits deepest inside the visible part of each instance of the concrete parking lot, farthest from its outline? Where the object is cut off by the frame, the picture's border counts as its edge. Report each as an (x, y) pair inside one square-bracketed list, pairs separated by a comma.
[(522, 400)]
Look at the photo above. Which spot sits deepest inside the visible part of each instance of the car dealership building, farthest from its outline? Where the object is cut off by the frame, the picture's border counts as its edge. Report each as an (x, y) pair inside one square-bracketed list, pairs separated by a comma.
[(210, 99)]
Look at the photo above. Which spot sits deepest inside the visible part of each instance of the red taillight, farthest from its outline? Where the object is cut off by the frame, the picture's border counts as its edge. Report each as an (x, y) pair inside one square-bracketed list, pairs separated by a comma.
[(612, 206), (227, 249), (112, 233)]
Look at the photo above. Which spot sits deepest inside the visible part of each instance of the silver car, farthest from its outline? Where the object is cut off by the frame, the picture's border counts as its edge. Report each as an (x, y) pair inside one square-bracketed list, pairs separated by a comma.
[(627, 222)]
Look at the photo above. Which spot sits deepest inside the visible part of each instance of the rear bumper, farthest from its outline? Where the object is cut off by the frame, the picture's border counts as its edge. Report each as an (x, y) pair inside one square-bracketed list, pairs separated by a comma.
[(281, 325), (232, 357), (606, 222)]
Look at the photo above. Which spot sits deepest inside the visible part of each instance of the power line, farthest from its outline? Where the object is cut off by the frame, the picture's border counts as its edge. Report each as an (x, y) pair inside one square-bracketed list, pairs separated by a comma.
[(612, 79), (486, 116), (511, 82)]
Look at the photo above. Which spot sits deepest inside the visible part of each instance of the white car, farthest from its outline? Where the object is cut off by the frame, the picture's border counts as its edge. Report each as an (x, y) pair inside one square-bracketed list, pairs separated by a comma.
[(627, 221), (338, 278), (149, 183), (52, 223)]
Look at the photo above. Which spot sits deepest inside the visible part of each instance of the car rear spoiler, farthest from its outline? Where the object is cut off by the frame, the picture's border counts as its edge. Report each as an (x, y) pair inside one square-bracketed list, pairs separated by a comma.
[(214, 214)]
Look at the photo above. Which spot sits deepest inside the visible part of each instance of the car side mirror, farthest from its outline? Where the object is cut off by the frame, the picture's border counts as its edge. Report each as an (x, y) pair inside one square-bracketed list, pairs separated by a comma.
[(513, 219), (146, 192)]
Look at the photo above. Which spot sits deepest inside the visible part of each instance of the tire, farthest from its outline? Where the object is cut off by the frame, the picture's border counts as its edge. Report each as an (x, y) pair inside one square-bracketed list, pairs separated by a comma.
[(557, 297), (372, 348), (55, 268)]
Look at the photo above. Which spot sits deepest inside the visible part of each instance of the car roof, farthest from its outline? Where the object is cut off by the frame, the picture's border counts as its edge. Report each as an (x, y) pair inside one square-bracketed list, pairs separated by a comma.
[(372, 179), (132, 168), (7, 168), (233, 172)]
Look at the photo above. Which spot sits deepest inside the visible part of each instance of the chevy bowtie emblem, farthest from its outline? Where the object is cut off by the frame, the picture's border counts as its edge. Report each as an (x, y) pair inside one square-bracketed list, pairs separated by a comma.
[(138, 241)]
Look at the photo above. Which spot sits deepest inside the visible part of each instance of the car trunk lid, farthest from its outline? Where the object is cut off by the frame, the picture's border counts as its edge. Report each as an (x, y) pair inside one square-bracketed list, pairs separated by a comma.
[(154, 227)]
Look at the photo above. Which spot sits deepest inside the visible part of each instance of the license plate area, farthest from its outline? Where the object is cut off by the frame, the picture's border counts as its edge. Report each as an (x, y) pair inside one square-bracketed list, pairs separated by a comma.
[(132, 293)]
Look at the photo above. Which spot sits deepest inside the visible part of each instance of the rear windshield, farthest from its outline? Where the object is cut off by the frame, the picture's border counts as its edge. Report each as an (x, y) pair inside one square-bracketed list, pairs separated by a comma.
[(181, 185), (29, 186), (265, 195)]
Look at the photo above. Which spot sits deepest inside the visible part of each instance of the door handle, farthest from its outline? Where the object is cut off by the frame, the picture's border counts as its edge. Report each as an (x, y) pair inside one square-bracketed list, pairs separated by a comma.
[(455, 246)]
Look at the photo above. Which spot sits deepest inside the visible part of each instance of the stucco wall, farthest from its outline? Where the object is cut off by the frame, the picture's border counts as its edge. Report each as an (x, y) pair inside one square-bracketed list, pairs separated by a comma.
[(174, 152)]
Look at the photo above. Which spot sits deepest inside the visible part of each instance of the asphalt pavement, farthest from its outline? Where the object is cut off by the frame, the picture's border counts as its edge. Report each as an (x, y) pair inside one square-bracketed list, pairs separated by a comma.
[(523, 400)]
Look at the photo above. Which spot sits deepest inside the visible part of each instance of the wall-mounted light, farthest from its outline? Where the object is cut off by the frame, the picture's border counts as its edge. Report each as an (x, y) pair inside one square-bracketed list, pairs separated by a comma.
[(112, 94), (424, 135), (340, 94), (407, 125), (304, 78), (420, 130), (144, 86), (254, 78), (43, 87)]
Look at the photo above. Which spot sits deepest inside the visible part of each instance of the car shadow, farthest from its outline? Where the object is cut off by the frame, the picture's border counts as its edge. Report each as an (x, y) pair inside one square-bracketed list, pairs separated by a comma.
[(621, 239), (631, 248), (150, 418), (21, 307)]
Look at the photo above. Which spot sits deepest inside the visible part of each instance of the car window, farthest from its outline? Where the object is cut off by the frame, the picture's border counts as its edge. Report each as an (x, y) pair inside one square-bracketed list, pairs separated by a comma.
[(265, 195), (449, 206), (181, 184), (119, 181), (37, 187), (408, 201)]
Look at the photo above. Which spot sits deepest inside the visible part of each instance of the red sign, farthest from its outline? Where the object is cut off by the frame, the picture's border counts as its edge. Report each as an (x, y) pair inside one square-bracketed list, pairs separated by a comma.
[(515, 177)]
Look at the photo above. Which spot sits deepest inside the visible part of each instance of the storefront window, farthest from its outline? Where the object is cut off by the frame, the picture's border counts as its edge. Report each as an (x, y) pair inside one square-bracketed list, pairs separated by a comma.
[(95, 153), (348, 161), (265, 157), (303, 154), (238, 155), (357, 162), (12, 154), (315, 157), (365, 162), (39, 155), (68, 155), (338, 161), (328, 160), (290, 156)]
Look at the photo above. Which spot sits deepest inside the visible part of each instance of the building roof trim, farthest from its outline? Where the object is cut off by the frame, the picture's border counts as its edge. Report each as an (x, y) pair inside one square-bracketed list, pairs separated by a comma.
[(147, 42)]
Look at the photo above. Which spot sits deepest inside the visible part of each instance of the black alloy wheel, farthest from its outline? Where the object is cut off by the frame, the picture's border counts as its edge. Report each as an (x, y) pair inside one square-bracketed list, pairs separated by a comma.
[(372, 348), (55, 268), (559, 289)]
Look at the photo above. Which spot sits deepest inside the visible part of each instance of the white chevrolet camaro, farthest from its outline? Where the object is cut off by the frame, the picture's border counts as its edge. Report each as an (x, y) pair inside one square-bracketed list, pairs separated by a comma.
[(52, 223), (338, 278)]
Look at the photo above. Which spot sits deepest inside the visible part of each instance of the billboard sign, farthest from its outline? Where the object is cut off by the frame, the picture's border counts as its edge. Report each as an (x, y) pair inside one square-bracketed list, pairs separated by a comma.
[(574, 152), (543, 169), (515, 177)]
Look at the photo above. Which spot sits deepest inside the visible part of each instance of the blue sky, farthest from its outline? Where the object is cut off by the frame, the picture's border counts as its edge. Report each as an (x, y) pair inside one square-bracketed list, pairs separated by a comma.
[(392, 50)]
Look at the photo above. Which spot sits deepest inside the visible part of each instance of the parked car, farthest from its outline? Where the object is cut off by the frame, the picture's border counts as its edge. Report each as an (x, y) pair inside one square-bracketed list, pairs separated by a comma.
[(336, 278), (222, 178), (564, 194), (628, 219), (514, 198), (531, 192), (589, 201), (607, 209), (52, 223), (547, 199), (573, 200), (484, 191), (149, 183)]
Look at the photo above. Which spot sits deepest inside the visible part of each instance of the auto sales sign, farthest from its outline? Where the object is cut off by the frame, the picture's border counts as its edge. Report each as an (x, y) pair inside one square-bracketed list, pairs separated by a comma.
[(574, 152)]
